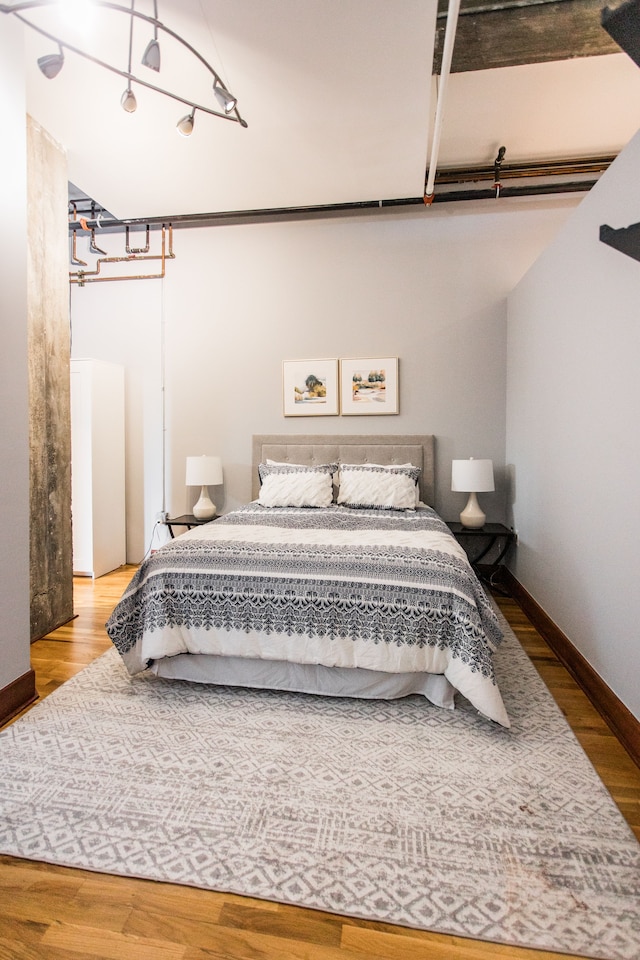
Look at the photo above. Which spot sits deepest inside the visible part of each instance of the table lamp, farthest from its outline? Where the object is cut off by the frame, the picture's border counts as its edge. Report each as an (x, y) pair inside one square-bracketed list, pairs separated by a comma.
[(204, 472), (472, 477)]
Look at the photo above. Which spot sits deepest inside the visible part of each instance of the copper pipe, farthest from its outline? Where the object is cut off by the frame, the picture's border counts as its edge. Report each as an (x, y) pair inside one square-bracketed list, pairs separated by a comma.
[(74, 257), (130, 249), (81, 277)]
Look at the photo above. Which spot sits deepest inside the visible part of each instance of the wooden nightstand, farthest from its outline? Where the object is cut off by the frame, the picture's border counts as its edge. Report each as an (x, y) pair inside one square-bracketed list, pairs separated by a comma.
[(186, 520)]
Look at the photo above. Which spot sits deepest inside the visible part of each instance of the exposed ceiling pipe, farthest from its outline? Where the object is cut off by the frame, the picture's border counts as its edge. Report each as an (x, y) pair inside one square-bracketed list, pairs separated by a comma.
[(445, 70), (577, 174), (574, 166), (327, 210), (454, 183)]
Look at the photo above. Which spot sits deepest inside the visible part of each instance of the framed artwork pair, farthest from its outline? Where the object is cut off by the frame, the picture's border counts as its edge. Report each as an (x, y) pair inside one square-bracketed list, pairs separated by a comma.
[(366, 386)]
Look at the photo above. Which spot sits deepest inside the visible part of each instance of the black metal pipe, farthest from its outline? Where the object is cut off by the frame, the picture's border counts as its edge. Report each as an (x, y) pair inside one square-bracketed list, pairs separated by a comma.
[(320, 210)]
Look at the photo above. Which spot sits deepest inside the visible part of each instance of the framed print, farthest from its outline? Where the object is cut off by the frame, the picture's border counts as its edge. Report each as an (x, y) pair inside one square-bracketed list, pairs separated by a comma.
[(369, 386), (310, 388)]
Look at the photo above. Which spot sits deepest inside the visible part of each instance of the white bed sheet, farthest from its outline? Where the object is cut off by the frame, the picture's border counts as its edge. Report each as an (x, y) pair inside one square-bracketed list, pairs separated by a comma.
[(312, 678)]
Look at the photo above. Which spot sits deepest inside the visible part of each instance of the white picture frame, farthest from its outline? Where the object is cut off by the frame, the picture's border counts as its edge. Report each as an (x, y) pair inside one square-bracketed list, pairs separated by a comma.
[(369, 386), (310, 388)]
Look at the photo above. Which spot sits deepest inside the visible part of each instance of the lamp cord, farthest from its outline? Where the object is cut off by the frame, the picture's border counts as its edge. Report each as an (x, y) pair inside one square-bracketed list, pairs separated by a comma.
[(149, 549)]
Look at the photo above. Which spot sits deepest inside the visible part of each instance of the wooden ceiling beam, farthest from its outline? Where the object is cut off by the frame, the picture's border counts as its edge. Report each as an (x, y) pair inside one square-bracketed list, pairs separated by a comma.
[(507, 33)]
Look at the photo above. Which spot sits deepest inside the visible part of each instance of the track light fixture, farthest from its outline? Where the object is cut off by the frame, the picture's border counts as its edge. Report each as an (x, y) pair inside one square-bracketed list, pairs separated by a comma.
[(151, 55), (226, 100), (51, 64), (185, 126), (128, 101)]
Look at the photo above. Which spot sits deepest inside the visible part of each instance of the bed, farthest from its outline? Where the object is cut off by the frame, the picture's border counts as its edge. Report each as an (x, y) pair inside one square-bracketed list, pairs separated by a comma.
[(337, 579)]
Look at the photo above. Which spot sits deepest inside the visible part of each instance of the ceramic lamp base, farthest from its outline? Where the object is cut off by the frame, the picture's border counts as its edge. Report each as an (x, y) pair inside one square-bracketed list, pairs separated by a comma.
[(204, 509), (472, 516)]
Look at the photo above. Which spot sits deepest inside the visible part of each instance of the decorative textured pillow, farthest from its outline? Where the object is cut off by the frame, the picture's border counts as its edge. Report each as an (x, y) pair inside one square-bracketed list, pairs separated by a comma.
[(296, 485), (378, 486), (395, 466)]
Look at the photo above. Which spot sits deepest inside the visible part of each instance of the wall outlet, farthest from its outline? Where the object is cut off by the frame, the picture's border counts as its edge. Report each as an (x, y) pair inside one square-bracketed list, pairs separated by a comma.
[(162, 516)]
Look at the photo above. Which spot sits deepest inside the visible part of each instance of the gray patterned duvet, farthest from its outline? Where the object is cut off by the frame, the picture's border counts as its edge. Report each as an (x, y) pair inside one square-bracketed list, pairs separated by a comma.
[(382, 590)]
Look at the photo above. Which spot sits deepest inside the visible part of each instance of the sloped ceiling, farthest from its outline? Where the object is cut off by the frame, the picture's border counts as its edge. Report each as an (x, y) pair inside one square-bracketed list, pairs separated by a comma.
[(338, 96)]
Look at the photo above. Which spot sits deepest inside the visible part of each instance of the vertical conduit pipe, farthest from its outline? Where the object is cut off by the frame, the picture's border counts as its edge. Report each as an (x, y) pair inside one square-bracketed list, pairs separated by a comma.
[(445, 70)]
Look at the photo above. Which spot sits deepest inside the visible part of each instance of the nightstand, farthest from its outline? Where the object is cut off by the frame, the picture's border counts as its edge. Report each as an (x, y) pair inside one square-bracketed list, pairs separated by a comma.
[(483, 539), (186, 520)]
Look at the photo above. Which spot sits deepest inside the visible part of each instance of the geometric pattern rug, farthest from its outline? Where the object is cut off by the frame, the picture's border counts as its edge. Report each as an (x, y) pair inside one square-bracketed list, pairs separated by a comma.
[(394, 811)]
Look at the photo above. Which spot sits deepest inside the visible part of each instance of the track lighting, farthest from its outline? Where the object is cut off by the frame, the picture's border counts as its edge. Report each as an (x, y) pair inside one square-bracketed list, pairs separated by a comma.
[(128, 101), (151, 55), (185, 126), (226, 100), (225, 106), (51, 64)]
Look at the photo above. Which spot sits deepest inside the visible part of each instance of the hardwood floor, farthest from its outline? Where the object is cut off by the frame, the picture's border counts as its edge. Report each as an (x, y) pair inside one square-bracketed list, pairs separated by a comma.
[(55, 913)]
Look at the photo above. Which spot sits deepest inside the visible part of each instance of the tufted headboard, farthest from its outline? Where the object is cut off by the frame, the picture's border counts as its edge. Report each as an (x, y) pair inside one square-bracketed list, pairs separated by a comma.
[(329, 448)]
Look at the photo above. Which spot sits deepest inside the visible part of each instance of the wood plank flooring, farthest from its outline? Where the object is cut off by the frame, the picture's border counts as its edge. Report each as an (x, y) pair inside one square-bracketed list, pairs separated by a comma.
[(54, 913)]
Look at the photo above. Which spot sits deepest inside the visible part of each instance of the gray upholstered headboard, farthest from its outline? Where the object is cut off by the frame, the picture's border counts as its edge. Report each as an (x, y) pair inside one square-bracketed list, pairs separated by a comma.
[(329, 448)]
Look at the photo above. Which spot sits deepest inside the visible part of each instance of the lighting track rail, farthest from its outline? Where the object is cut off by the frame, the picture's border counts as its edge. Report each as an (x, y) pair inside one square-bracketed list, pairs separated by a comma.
[(51, 64)]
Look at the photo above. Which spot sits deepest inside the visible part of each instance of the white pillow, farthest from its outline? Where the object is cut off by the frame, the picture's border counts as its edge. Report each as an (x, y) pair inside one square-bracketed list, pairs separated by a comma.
[(392, 466), (378, 486), (296, 485)]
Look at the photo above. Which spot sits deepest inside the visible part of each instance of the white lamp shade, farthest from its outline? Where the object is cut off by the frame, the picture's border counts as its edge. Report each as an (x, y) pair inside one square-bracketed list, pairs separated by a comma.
[(472, 476), (204, 471)]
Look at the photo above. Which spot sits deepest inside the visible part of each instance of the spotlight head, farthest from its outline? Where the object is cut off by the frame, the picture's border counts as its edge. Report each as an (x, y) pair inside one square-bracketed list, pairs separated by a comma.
[(185, 126), (226, 100), (128, 101), (151, 56), (51, 64)]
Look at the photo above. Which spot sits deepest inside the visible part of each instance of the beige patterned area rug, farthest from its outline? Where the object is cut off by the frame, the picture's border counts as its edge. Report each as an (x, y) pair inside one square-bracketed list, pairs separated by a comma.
[(399, 811)]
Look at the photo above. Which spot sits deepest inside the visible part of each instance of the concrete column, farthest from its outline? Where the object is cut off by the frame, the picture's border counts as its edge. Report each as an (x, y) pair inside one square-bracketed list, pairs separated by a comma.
[(51, 545)]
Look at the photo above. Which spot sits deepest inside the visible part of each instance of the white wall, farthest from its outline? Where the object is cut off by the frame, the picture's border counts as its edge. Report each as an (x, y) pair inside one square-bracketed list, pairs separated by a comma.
[(428, 286), (572, 439), (14, 416)]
